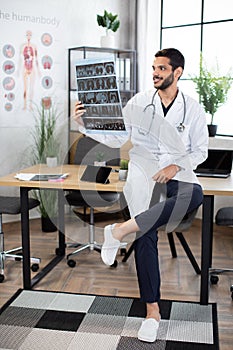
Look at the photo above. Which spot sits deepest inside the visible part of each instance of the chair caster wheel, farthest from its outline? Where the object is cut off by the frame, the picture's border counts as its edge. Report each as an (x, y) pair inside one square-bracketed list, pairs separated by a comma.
[(231, 290), (123, 251), (18, 259), (1, 278), (71, 263), (35, 267), (214, 279), (114, 264)]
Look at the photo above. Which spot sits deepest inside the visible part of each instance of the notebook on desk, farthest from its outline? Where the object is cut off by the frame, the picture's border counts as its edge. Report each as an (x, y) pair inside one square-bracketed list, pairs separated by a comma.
[(218, 164)]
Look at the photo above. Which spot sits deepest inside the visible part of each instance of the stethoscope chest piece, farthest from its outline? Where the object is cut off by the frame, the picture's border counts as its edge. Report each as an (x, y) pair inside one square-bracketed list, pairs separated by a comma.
[(181, 127)]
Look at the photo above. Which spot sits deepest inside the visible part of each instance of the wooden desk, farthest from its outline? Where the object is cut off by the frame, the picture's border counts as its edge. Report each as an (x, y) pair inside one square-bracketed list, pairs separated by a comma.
[(211, 187), (71, 183)]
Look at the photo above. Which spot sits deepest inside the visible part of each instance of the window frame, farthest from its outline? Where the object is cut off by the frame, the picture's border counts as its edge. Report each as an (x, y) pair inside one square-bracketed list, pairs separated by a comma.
[(202, 25)]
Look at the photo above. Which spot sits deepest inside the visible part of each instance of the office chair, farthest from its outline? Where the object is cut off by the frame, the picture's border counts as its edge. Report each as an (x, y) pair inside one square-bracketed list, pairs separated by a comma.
[(182, 227), (86, 152), (11, 205), (224, 217)]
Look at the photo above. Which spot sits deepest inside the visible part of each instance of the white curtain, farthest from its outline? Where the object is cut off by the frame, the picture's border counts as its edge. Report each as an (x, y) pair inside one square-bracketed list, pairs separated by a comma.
[(148, 40)]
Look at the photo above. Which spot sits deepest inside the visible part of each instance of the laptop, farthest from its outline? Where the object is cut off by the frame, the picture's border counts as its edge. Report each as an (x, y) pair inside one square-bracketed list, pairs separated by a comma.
[(98, 174), (217, 164)]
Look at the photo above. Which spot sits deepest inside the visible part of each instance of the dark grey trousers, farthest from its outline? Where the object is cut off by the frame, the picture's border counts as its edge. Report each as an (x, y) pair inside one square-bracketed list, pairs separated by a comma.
[(180, 198)]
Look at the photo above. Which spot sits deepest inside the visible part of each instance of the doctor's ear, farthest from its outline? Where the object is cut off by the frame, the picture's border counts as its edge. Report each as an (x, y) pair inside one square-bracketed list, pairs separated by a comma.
[(178, 72)]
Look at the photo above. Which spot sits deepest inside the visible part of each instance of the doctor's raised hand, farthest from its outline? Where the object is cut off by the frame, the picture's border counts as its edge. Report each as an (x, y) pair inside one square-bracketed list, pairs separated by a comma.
[(78, 112)]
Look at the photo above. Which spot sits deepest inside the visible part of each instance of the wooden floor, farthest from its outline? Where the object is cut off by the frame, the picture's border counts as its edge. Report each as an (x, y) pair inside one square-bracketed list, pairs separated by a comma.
[(179, 281)]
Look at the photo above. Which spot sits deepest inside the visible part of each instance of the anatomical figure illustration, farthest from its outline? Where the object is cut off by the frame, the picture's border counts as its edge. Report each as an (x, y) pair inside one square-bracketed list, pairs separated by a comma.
[(28, 53)]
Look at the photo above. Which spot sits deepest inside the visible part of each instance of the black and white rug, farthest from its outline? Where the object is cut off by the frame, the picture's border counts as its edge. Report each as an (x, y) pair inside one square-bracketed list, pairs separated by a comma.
[(41, 320)]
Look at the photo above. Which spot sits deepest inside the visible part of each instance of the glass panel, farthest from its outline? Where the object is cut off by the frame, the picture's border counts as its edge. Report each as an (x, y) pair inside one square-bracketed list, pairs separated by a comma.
[(216, 46), (181, 12), (188, 88), (187, 40), (217, 10), (223, 117)]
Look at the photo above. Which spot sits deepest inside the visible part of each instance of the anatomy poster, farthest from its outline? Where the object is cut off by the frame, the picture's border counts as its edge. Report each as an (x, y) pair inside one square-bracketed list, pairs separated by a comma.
[(98, 91), (31, 63)]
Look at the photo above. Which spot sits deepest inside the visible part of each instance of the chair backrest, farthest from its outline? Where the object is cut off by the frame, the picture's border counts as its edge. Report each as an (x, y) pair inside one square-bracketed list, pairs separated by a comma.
[(88, 150), (224, 216)]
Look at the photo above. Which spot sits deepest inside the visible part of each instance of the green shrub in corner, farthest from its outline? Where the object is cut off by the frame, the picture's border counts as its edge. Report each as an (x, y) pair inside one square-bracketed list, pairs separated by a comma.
[(212, 88)]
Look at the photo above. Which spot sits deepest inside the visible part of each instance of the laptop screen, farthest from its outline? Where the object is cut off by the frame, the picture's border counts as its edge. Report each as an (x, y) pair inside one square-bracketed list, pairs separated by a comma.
[(97, 174), (218, 162)]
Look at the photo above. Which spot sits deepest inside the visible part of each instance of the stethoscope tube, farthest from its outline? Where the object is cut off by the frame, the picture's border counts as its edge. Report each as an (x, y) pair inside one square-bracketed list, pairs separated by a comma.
[(180, 127)]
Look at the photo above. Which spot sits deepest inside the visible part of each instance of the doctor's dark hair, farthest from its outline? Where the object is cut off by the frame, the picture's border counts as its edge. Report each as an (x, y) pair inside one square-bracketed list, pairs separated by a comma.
[(175, 56)]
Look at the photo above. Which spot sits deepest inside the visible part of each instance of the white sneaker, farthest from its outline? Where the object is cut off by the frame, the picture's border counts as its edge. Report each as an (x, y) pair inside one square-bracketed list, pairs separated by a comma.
[(148, 330), (110, 247)]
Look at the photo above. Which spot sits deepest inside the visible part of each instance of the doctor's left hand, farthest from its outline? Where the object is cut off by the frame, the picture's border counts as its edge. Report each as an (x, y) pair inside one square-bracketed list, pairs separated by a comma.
[(166, 174)]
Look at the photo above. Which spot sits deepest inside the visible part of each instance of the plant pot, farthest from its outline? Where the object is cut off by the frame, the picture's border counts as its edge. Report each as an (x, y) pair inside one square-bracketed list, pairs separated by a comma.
[(51, 162), (107, 41), (96, 163), (123, 174), (212, 130), (47, 224)]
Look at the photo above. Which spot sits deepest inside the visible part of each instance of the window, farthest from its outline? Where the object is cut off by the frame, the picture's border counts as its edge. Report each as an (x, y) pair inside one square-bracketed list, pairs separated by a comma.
[(201, 25)]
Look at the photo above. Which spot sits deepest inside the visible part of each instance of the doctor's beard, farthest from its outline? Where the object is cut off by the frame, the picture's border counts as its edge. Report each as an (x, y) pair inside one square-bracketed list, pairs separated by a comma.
[(166, 82)]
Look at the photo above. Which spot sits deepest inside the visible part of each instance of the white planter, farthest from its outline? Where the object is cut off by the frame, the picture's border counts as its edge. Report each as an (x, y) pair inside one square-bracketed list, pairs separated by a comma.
[(96, 163), (123, 174), (51, 162), (107, 41)]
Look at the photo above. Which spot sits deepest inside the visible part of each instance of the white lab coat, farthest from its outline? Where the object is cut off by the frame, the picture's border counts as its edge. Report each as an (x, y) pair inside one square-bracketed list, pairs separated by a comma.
[(159, 145)]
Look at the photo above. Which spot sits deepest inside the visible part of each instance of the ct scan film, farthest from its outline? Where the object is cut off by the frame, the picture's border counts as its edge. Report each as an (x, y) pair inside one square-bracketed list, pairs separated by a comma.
[(97, 89)]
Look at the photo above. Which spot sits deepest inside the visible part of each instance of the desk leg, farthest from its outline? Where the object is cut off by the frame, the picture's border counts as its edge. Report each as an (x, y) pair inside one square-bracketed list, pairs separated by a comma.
[(206, 250), (60, 251), (61, 224), (25, 237)]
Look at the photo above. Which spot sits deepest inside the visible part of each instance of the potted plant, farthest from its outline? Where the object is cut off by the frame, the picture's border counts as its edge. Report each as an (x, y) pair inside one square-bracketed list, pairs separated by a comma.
[(51, 151), (111, 23), (45, 144), (123, 169), (212, 89), (99, 159)]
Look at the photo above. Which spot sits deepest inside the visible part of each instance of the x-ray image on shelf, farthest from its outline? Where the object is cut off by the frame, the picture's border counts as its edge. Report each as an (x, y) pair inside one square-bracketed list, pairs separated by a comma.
[(97, 89)]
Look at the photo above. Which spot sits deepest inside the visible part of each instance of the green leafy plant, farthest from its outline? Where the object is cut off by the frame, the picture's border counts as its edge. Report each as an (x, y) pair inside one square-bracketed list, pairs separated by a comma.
[(108, 21), (212, 88), (124, 164), (45, 144), (99, 156)]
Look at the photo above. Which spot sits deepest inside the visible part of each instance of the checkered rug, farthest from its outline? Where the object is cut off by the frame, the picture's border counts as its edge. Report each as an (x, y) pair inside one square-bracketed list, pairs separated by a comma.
[(39, 320)]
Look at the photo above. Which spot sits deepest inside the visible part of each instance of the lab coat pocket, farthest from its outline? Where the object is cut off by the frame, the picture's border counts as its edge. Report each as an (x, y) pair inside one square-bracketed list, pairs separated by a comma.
[(185, 135)]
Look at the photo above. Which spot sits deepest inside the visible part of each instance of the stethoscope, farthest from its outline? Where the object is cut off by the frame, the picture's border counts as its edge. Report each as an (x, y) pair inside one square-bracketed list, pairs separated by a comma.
[(180, 127)]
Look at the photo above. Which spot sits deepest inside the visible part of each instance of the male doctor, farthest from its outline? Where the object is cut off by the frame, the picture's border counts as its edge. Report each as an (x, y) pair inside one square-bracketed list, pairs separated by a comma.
[(169, 139)]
